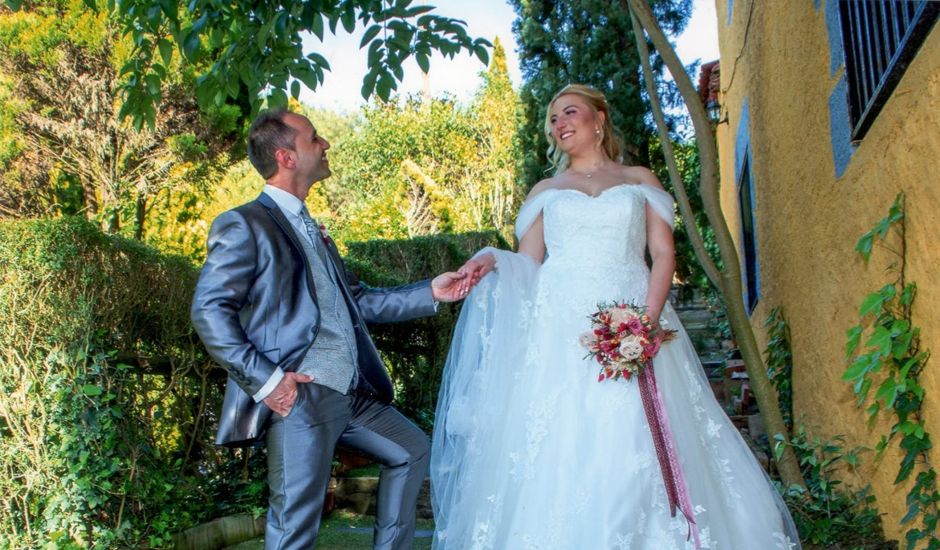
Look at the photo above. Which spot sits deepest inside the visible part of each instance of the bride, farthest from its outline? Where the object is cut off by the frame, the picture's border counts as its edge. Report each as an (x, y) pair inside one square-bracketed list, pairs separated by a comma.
[(530, 450)]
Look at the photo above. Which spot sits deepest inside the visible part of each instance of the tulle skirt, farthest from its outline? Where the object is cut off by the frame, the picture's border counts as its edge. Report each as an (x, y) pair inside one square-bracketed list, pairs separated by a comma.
[(530, 451)]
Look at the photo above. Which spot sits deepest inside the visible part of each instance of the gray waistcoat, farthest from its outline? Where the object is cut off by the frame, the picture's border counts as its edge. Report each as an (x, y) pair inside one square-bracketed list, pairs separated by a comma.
[(331, 360)]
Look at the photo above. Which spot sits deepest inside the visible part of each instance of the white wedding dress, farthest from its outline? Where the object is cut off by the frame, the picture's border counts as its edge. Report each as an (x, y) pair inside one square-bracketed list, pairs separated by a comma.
[(530, 451)]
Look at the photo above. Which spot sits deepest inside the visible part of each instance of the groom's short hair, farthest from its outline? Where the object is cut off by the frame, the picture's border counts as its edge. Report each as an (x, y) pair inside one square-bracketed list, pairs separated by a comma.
[(269, 133)]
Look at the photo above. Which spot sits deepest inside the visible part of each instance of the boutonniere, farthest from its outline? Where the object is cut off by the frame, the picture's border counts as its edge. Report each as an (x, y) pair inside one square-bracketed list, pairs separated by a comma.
[(324, 233)]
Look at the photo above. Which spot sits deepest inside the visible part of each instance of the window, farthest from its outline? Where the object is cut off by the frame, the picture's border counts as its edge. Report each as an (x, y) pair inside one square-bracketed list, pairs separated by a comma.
[(880, 38), (751, 272)]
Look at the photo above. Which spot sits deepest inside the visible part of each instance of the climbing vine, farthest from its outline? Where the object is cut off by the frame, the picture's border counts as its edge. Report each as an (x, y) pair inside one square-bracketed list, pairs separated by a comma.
[(890, 361), (825, 512), (780, 362)]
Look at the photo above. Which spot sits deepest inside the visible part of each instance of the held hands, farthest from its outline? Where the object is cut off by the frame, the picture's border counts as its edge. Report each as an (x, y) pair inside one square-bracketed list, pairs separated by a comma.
[(450, 286), (281, 399), (476, 268), (453, 286)]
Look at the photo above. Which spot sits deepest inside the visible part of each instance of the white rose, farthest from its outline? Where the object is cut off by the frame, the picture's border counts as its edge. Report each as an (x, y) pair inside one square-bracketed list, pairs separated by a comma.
[(621, 315), (587, 339), (631, 348)]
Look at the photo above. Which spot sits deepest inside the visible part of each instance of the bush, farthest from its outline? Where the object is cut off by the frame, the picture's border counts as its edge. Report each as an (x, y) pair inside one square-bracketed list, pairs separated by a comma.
[(108, 401), (105, 395)]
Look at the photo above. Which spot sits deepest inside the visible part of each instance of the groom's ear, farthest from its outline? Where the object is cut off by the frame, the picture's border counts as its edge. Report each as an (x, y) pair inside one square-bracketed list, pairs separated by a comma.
[(285, 158)]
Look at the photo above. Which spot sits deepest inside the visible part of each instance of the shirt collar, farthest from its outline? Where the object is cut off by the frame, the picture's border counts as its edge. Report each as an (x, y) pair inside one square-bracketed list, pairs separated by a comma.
[(287, 202)]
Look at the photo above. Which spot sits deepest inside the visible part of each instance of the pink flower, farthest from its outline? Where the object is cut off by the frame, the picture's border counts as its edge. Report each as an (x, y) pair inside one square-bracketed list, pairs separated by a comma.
[(652, 348), (635, 326), (324, 233)]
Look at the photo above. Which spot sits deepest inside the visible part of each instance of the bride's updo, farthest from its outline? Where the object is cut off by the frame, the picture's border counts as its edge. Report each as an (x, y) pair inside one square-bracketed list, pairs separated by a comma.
[(609, 137)]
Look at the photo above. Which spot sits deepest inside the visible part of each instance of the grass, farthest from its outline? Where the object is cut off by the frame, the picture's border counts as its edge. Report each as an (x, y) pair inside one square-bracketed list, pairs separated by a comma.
[(346, 531)]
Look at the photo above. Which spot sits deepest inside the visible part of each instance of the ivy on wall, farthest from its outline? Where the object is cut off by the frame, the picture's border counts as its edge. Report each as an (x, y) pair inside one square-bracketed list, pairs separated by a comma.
[(891, 361)]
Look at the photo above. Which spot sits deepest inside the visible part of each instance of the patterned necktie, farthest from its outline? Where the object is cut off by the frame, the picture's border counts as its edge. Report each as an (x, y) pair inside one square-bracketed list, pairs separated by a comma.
[(316, 240)]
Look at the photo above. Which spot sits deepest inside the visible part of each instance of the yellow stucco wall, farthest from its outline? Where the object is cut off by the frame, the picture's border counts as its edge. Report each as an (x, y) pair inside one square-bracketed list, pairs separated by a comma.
[(808, 221)]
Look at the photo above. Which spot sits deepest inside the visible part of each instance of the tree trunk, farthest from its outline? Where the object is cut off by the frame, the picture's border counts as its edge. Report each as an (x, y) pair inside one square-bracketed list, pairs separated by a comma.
[(729, 280), (141, 216), (220, 533)]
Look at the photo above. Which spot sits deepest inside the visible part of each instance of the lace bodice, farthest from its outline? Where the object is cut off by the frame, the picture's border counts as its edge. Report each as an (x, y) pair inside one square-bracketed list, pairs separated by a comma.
[(595, 244), (597, 231)]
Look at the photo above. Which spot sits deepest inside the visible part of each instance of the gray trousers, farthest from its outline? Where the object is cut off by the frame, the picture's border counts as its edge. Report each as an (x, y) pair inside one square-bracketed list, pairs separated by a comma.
[(300, 454)]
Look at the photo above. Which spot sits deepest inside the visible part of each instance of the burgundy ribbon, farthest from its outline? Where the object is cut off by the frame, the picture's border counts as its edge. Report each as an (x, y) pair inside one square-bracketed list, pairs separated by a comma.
[(676, 489)]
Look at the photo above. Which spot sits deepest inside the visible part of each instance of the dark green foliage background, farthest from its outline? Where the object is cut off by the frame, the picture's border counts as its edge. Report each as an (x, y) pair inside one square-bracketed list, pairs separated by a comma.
[(108, 401)]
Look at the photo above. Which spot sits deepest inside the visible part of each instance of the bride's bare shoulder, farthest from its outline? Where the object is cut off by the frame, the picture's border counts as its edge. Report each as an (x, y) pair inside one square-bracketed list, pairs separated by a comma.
[(542, 186), (640, 174)]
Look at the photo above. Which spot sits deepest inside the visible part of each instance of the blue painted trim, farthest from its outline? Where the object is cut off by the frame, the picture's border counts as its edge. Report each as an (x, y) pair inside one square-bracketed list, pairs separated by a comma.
[(730, 11), (840, 127), (742, 153), (816, 2), (742, 140), (757, 278), (834, 27)]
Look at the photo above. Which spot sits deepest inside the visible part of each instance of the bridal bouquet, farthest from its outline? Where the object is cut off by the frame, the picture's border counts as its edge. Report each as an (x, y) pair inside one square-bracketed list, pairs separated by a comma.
[(623, 339)]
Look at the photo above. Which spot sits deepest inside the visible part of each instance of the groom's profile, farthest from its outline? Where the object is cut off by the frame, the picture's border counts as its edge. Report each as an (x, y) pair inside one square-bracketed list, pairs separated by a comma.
[(275, 306)]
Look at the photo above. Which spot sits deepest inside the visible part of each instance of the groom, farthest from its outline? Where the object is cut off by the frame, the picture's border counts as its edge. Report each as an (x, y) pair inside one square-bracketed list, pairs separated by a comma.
[(276, 308)]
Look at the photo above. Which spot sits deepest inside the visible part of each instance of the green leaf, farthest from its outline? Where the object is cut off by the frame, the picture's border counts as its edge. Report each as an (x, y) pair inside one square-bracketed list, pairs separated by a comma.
[(166, 50), (371, 32), (881, 340), (262, 38), (368, 83), (277, 98), (865, 244), (307, 77), (397, 70), (862, 387), (859, 367), (907, 294), (887, 392), (482, 54), (348, 19), (153, 84), (317, 26), (902, 345), (384, 86), (871, 304), (191, 47), (424, 62), (92, 390), (376, 51), (418, 10), (318, 60), (854, 335), (295, 89)]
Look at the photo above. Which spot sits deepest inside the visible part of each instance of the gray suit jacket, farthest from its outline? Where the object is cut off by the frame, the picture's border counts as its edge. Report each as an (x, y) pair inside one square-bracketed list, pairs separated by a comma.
[(255, 308)]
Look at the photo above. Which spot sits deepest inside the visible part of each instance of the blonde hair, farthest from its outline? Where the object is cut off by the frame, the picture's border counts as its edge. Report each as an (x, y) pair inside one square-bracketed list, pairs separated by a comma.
[(609, 137)]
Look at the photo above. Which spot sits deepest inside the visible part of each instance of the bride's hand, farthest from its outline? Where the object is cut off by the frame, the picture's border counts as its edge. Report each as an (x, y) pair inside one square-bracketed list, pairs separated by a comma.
[(476, 268)]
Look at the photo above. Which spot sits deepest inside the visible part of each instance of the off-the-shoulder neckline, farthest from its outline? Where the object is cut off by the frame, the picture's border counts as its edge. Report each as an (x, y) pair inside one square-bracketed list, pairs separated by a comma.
[(588, 195)]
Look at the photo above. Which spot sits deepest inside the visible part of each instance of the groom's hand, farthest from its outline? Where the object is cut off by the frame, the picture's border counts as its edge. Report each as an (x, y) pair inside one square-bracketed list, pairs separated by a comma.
[(450, 286), (281, 399)]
